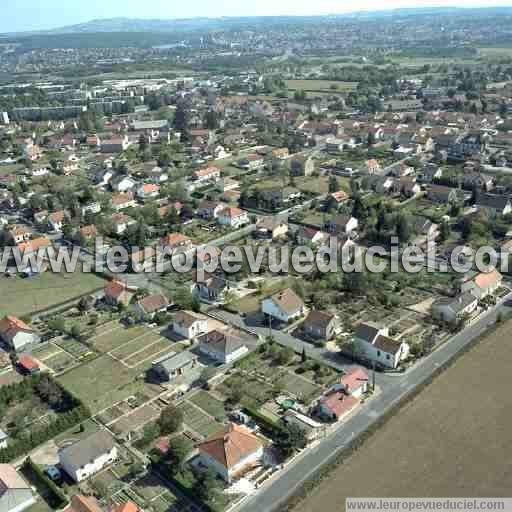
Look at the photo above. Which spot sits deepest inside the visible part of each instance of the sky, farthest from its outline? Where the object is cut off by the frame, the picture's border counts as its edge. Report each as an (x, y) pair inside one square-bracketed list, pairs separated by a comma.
[(21, 15)]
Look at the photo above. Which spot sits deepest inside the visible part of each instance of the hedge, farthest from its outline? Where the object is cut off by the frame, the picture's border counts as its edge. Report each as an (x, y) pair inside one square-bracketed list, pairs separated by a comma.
[(56, 498)]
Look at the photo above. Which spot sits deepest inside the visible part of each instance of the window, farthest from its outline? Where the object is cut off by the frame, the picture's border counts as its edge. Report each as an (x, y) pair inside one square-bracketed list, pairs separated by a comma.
[(387, 356), (378, 353)]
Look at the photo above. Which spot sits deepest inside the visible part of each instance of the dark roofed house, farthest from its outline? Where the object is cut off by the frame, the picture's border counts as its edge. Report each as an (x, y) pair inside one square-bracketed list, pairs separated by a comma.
[(494, 204), (319, 324)]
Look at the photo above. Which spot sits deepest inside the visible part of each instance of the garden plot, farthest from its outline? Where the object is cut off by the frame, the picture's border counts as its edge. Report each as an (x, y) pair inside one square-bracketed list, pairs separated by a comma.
[(135, 420), (209, 404), (198, 421), (298, 386), (59, 362), (73, 347), (116, 337)]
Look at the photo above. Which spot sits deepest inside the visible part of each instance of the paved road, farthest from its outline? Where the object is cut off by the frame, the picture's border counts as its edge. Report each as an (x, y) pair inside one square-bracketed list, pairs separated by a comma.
[(287, 340), (273, 495)]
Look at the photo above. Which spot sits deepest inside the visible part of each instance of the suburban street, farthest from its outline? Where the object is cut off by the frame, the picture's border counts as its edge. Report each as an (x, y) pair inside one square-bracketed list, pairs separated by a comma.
[(272, 495)]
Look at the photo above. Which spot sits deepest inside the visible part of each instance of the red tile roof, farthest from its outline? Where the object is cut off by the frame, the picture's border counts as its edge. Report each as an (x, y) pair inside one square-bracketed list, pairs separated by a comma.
[(231, 445)]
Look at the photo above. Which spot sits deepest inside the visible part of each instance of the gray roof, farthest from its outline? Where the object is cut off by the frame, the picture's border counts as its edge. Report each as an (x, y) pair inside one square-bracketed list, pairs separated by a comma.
[(222, 343), (3, 435), (172, 361), (459, 303), (90, 448), (150, 125), (368, 331)]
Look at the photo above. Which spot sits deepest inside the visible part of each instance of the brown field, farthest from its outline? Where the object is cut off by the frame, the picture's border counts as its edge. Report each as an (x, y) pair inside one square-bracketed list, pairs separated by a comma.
[(454, 439)]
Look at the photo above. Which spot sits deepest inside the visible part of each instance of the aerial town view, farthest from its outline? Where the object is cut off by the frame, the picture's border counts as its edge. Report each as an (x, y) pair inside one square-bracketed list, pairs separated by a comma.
[(255, 258)]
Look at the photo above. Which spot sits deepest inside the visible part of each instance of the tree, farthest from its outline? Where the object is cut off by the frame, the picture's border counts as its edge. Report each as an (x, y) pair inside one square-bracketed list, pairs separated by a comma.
[(291, 438), (171, 420), (303, 356), (181, 121), (334, 186), (403, 228), (207, 485), (444, 231), (179, 451), (57, 324), (285, 356)]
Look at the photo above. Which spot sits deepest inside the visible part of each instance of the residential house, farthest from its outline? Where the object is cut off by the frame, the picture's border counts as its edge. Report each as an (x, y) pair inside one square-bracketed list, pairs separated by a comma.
[(20, 234), (115, 145), (86, 457), (149, 306), (494, 204), (442, 194), (336, 405), (454, 309), (284, 306), (319, 324), (373, 342), (312, 236), (118, 292), (271, 228), (173, 365), (222, 346), (301, 165), (79, 503), (148, 191), (341, 225), (56, 220), (252, 162), (190, 324), (354, 382), (122, 201), (233, 217), (122, 183), (207, 175), (209, 209), (174, 241), (128, 506), (17, 334), (231, 452), (212, 288), (372, 167), (483, 284), (121, 222), (15, 494), (92, 207), (28, 365), (429, 172)]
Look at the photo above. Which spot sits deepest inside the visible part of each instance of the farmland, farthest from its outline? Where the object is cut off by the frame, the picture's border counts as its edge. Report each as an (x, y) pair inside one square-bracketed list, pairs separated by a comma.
[(430, 447), (330, 86), (22, 296)]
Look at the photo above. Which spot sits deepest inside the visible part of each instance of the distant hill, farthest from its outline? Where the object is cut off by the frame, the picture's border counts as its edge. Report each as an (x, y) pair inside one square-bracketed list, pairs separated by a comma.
[(178, 25)]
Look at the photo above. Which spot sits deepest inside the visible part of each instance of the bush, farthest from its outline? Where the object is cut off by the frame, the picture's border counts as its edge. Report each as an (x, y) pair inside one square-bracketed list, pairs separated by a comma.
[(54, 496)]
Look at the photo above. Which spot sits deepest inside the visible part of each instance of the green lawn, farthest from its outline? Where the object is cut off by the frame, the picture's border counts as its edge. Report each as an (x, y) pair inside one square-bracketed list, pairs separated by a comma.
[(209, 404), (117, 337), (199, 421), (101, 383), (23, 296)]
